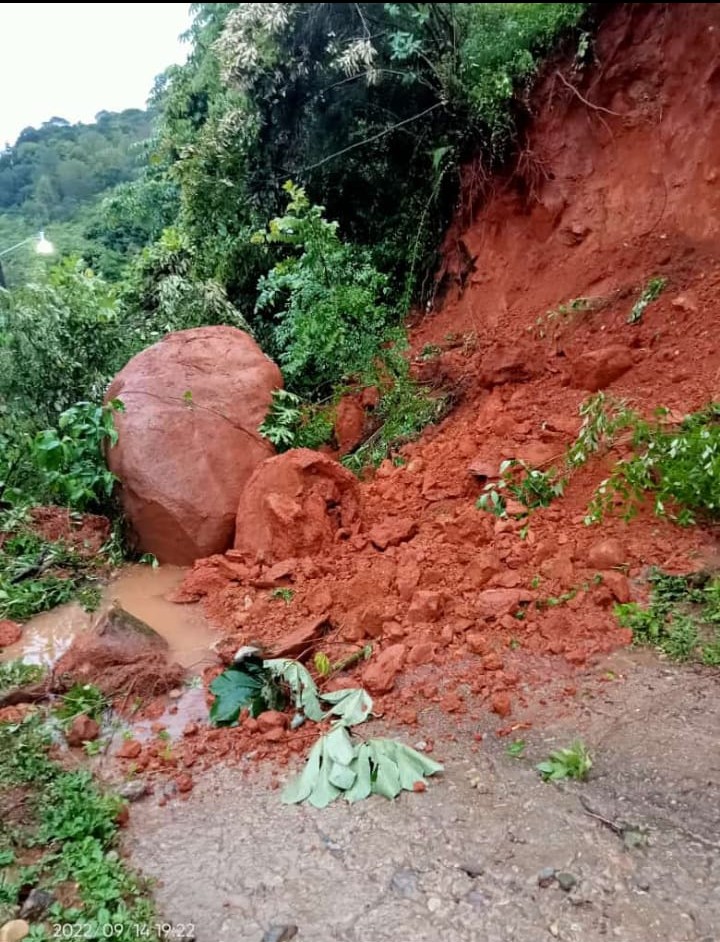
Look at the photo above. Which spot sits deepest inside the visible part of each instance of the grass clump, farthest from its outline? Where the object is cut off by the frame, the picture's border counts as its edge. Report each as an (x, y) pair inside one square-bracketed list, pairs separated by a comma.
[(573, 762), (76, 824), (682, 618)]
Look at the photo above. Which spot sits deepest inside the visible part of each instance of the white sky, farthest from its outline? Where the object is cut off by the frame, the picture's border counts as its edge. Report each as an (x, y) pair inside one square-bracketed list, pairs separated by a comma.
[(72, 60)]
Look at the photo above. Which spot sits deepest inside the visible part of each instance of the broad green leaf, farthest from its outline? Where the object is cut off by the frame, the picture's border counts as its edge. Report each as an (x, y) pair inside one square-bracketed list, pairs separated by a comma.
[(352, 706), (342, 776), (338, 747), (300, 787), (234, 689), (387, 775), (324, 792), (360, 765), (301, 684)]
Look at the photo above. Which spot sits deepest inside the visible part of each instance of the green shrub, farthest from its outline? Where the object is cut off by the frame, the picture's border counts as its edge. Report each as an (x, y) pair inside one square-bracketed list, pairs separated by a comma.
[(327, 298), (682, 618), (679, 467), (71, 458)]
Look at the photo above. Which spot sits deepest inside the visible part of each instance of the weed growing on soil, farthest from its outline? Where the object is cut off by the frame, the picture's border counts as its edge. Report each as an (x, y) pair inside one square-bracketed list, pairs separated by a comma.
[(82, 699), (652, 290), (602, 419), (46, 806), (680, 467), (36, 574), (516, 749), (285, 594), (293, 423), (18, 674), (573, 762), (682, 619)]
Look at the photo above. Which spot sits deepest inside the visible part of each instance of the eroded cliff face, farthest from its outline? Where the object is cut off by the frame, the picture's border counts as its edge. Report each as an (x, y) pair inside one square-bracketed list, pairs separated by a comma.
[(618, 183)]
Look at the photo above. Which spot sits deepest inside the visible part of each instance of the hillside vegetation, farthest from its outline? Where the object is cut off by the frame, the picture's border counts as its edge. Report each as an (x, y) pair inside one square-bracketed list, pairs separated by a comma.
[(297, 179), (54, 176)]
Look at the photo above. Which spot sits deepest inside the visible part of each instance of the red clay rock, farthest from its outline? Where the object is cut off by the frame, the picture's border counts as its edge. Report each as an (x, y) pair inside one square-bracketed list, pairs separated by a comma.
[(392, 532), (480, 570), (271, 719), (379, 675), (130, 749), (597, 369), (492, 662), (349, 424), (82, 729), (10, 633), (294, 504), (423, 653), (299, 643), (426, 606), (501, 704), (477, 643), (184, 783), (188, 439), (618, 585), (606, 554), (510, 363), (494, 603)]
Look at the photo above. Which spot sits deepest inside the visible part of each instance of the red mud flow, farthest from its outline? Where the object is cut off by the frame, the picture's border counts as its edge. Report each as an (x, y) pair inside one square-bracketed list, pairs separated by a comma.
[(618, 182)]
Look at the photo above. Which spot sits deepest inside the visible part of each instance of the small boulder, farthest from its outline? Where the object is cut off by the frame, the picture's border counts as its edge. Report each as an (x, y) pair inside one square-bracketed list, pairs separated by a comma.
[(606, 554), (392, 531), (618, 584), (10, 633), (501, 704), (130, 749), (299, 643), (294, 505), (425, 607), (597, 369), (379, 675), (349, 424), (272, 719), (82, 729), (480, 570), (36, 904), (423, 653), (494, 603)]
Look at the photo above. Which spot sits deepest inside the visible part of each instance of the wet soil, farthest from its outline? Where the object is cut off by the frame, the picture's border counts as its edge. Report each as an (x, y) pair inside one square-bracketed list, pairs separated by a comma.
[(462, 861), (141, 591)]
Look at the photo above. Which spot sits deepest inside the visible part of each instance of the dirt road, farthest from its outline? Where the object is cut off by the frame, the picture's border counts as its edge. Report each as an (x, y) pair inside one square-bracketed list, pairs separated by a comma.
[(635, 850)]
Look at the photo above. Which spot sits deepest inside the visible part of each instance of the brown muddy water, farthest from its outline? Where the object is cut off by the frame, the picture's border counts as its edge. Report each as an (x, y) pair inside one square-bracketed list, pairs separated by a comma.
[(140, 590)]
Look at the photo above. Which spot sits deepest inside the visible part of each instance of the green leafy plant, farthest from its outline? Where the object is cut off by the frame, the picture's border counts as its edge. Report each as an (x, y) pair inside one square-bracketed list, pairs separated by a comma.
[(65, 813), (18, 674), (679, 467), (652, 290), (82, 699), (328, 299), (286, 595), (572, 762), (516, 749), (71, 457), (335, 764), (682, 619)]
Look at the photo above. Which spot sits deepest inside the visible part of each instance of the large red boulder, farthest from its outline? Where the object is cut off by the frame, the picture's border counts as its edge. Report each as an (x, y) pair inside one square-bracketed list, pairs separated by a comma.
[(294, 505), (188, 439)]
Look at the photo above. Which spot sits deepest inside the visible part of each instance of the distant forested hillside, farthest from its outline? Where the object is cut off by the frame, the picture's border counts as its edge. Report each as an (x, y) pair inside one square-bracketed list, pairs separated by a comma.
[(54, 176)]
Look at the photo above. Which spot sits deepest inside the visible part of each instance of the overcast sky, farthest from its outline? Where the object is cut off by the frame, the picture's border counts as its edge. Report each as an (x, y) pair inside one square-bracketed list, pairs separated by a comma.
[(71, 60)]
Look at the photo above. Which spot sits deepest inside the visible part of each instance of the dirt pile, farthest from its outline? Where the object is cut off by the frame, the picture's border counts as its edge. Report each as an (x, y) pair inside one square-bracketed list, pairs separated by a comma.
[(188, 438), (122, 656), (618, 183)]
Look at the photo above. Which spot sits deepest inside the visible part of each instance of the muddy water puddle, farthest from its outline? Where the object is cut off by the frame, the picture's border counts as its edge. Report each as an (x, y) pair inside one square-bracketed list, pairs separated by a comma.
[(141, 591)]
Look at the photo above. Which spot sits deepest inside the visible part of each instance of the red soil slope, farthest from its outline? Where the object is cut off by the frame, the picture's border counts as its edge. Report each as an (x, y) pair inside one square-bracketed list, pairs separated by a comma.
[(619, 181)]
